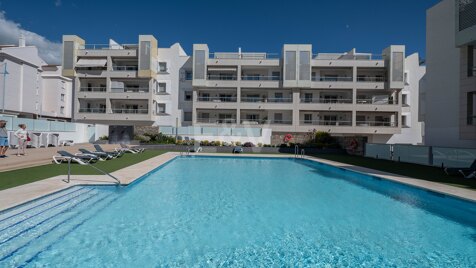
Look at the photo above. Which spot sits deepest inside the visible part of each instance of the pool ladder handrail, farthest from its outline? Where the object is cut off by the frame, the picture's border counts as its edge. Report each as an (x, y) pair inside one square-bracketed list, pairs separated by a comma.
[(297, 153), (186, 151), (118, 182)]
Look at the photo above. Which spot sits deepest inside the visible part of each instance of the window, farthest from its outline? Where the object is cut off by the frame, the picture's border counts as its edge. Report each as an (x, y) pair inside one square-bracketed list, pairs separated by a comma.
[(307, 97), (405, 78), (162, 67), (162, 88), (161, 108), (404, 121), (205, 97), (471, 108), (187, 116), (307, 118), (62, 97), (188, 75), (278, 118), (404, 100), (62, 109), (188, 96), (275, 76), (470, 60), (278, 97)]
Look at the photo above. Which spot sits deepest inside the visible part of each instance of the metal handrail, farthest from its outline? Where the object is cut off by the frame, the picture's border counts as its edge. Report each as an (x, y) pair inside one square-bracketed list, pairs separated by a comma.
[(372, 101), (217, 99), (327, 122), (266, 99), (92, 110), (343, 56), (333, 79), (125, 68), (243, 56), (375, 124), (221, 77), (92, 89), (130, 111), (129, 89), (371, 79), (118, 182)]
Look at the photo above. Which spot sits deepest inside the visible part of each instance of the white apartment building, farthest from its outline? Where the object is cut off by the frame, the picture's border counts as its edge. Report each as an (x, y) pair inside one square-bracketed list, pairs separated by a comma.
[(347, 94), (412, 128), (448, 94), (127, 85), (31, 88)]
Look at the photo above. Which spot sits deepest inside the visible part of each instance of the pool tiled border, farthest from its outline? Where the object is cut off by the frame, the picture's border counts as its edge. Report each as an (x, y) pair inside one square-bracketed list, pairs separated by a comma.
[(26, 193)]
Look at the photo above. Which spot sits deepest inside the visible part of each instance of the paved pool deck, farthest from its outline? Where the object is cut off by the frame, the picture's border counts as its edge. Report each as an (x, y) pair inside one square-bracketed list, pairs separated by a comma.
[(25, 193)]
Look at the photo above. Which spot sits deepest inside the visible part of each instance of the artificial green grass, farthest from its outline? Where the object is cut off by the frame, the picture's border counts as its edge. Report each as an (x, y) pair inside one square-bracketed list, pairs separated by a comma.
[(18, 177), (428, 173)]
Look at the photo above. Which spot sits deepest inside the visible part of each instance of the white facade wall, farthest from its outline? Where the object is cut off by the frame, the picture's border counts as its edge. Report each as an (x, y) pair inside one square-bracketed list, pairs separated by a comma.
[(32, 88), (175, 59), (441, 91), (412, 132), (57, 93)]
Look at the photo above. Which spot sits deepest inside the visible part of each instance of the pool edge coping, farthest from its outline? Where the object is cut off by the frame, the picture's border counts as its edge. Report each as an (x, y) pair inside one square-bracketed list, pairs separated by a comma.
[(138, 171)]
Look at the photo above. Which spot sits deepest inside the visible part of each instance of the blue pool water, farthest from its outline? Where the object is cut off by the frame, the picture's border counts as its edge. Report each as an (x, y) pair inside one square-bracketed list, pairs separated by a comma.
[(219, 211)]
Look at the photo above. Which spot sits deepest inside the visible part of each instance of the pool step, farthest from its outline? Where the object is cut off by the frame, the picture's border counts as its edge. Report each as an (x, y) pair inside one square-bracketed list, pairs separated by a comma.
[(16, 215), (26, 238)]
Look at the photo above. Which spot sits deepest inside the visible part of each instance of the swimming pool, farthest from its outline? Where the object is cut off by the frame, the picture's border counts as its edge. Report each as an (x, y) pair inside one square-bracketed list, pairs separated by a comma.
[(224, 211)]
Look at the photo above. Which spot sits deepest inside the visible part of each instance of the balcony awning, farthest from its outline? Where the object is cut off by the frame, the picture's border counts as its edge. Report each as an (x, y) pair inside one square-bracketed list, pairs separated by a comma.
[(222, 69), (91, 63)]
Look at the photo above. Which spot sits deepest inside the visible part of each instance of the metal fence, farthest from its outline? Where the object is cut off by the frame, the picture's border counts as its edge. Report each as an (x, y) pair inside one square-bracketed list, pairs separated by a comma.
[(423, 155)]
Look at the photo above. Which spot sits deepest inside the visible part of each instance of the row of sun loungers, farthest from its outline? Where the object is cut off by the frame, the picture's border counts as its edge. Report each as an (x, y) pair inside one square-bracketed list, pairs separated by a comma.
[(469, 172), (85, 156)]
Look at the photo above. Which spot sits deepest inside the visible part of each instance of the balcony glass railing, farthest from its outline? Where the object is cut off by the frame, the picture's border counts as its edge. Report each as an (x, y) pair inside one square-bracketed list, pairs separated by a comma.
[(221, 77), (260, 78), (371, 79), (343, 56), (376, 101), (216, 99), (326, 122), (325, 100), (243, 56), (125, 68), (92, 89), (130, 89), (129, 111), (93, 110), (332, 79), (375, 124), (216, 121), (264, 100), (107, 46)]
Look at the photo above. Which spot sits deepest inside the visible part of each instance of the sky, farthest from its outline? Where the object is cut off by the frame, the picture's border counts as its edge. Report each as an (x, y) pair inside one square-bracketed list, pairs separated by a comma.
[(256, 26)]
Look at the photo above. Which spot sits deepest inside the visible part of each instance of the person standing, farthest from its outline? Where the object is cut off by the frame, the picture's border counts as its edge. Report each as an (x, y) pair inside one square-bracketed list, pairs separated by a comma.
[(22, 136), (3, 138)]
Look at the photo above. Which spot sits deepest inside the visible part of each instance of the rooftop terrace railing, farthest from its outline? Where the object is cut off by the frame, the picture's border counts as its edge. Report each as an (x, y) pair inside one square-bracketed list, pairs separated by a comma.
[(243, 56), (343, 56), (107, 46)]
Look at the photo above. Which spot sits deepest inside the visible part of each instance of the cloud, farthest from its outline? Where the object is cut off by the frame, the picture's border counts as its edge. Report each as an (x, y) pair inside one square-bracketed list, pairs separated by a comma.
[(10, 31)]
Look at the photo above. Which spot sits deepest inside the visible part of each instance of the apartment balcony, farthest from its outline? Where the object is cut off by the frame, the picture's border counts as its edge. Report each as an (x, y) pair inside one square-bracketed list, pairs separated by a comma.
[(216, 99), (326, 100), (249, 59), (129, 111), (130, 89), (266, 100), (104, 50), (217, 80), (338, 82), (216, 121), (261, 81), (367, 123), (123, 71)]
